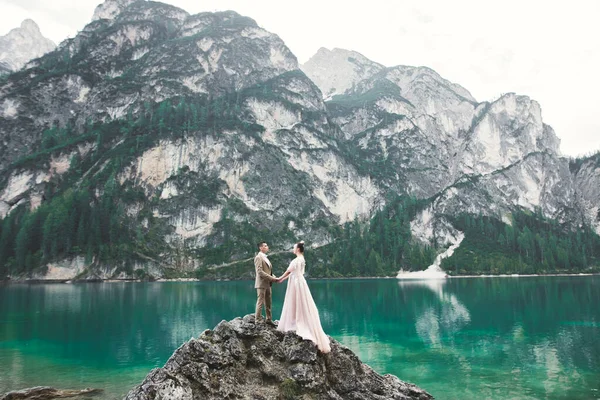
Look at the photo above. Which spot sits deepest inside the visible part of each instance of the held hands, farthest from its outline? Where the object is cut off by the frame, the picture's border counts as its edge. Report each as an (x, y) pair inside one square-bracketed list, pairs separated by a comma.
[(283, 277)]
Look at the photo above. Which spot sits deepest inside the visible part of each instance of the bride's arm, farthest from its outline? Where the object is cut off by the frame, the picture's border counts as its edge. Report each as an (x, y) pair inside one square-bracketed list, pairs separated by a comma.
[(286, 274)]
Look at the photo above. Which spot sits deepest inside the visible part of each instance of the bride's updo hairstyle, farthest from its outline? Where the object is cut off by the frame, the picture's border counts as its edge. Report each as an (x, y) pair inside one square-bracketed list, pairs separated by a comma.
[(300, 246)]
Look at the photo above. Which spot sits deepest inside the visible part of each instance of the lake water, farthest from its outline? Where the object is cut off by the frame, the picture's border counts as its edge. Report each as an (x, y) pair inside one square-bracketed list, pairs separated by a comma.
[(484, 338)]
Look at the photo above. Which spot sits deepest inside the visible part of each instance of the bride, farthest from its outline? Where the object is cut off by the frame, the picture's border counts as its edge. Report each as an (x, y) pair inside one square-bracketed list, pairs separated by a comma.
[(299, 312)]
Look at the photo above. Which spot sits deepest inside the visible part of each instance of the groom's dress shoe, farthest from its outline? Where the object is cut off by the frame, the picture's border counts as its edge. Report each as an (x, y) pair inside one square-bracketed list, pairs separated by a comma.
[(269, 322)]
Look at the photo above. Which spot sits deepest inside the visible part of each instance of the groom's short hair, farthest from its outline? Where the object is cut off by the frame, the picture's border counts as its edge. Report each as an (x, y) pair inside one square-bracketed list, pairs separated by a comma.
[(260, 244)]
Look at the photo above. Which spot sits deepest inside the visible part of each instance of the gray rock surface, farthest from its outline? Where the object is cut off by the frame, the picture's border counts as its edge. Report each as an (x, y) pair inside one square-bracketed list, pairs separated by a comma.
[(431, 138), (586, 179), (21, 45), (243, 360), (337, 71), (47, 393), (5, 68), (279, 168)]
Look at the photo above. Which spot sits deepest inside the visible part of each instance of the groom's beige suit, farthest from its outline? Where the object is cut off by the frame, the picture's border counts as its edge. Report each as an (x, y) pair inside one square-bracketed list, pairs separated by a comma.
[(264, 280)]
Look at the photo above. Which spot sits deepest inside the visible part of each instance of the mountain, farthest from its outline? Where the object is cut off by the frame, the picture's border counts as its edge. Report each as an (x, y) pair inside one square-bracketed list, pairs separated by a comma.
[(434, 139), (336, 71), (4, 68), (586, 176), (21, 45), (157, 143), (194, 129)]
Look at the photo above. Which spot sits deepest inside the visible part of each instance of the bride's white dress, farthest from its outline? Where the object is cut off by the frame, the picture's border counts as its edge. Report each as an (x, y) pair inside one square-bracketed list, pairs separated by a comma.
[(300, 312)]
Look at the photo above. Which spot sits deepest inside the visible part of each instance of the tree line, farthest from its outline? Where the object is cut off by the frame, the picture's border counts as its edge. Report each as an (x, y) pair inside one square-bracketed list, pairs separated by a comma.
[(73, 220), (76, 223), (529, 244), (83, 211), (380, 246)]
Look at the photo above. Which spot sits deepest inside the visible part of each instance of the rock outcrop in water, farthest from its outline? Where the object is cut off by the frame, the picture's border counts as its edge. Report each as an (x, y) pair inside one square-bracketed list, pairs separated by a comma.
[(243, 360), (47, 393)]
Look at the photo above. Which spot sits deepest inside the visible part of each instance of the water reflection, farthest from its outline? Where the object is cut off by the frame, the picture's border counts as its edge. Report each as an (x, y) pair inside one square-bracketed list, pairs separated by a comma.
[(524, 338), (445, 317), (58, 334), (367, 348), (490, 338)]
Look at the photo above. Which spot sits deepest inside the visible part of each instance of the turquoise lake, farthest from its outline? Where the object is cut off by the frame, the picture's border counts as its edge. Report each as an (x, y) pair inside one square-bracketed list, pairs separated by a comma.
[(464, 338)]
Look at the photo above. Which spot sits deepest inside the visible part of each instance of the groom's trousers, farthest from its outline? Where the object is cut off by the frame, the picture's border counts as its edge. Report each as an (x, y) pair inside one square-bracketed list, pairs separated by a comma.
[(264, 298)]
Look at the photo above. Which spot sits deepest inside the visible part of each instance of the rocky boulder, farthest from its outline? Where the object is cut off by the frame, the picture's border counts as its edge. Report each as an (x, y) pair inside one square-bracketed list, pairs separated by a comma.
[(240, 359), (47, 393)]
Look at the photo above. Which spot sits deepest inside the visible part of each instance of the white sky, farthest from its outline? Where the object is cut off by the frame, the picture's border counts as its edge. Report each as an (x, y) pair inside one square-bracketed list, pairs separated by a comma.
[(546, 49)]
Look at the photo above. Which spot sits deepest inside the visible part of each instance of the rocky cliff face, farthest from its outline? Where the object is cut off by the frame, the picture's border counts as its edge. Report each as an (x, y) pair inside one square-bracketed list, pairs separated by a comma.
[(337, 71), (144, 54), (256, 157), (243, 360), (21, 45), (4, 68), (586, 183), (432, 139), (197, 135)]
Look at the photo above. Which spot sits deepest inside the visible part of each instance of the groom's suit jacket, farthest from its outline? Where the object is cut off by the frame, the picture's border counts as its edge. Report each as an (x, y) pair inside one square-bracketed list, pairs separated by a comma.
[(264, 272)]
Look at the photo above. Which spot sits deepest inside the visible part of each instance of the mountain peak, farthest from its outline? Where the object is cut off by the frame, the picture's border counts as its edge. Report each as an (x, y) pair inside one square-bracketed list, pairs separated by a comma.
[(402, 73), (338, 70), (30, 26), (111, 8), (22, 44)]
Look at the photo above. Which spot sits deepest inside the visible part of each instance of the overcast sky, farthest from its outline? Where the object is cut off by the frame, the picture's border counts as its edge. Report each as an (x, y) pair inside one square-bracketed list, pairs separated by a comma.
[(546, 49)]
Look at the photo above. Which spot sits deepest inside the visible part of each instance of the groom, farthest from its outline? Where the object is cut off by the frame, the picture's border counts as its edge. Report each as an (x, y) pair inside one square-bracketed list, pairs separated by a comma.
[(264, 280)]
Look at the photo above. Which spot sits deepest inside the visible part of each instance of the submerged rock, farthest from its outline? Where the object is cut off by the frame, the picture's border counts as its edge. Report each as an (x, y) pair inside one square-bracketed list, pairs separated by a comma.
[(46, 392), (240, 359)]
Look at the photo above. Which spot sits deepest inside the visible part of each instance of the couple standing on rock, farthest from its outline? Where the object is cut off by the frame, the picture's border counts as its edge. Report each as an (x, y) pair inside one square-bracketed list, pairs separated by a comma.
[(299, 312)]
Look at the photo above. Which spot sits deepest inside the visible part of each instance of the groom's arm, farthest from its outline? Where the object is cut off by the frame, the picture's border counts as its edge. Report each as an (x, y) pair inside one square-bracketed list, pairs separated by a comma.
[(258, 265), (284, 276)]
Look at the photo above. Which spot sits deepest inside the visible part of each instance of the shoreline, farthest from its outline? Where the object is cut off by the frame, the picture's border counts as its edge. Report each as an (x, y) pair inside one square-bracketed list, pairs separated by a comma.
[(163, 280), (522, 275)]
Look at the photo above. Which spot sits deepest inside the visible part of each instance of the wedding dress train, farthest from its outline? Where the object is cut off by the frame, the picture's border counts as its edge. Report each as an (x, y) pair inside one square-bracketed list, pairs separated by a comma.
[(300, 312)]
